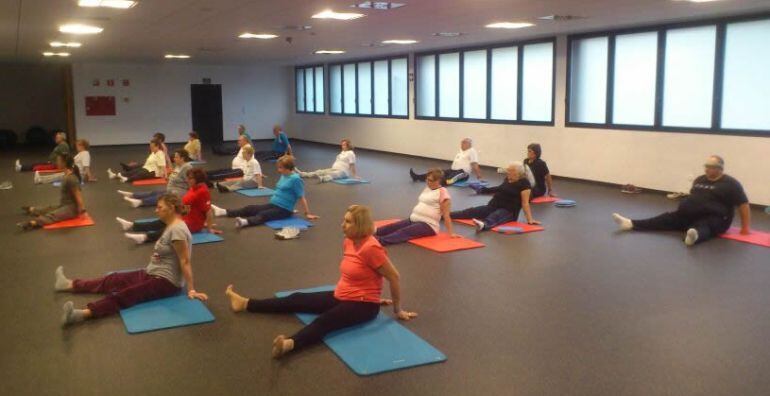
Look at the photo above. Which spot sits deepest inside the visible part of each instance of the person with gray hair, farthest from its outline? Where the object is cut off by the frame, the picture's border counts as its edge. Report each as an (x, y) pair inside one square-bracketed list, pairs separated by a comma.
[(465, 162), (61, 148), (508, 199), (707, 212)]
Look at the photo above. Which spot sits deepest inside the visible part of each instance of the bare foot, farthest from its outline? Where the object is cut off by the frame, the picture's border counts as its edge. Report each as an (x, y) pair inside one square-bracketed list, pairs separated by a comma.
[(237, 302), (281, 346)]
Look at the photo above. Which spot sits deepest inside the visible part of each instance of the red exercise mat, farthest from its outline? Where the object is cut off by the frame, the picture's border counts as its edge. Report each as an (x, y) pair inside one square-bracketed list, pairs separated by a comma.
[(755, 237), (51, 171), (443, 243), (524, 226), (544, 199), (383, 223), (156, 181), (80, 221)]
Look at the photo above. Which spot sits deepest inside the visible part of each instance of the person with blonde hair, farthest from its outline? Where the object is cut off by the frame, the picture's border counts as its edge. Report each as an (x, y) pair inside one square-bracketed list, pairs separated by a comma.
[(193, 146), (344, 165), (356, 299)]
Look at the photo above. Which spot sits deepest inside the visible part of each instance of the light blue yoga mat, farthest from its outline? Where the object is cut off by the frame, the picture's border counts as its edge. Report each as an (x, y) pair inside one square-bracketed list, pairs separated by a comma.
[(565, 203), (293, 221), (256, 192), (198, 237), (166, 313), (465, 183), (349, 181), (378, 346)]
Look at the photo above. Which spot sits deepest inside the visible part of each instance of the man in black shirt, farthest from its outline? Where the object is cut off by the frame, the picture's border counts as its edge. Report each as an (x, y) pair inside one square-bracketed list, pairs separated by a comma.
[(706, 213)]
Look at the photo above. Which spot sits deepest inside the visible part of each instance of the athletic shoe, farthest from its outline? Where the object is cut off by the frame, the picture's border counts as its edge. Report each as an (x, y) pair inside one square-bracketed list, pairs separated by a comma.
[(36, 178), (691, 237), (17, 165), (6, 185), (287, 233), (623, 223)]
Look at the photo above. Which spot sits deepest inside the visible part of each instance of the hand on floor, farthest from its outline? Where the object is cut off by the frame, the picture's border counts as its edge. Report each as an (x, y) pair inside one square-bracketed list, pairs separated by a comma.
[(405, 315), (192, 294)]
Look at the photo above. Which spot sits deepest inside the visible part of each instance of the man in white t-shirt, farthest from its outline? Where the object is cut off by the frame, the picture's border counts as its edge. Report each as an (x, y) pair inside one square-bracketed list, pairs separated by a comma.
[(465, 162), (344, 165), (252, 172)]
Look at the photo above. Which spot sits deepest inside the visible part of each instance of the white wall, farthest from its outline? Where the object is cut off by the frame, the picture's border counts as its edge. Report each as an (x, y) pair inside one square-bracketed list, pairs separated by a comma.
[(657, 160), (159, 100)]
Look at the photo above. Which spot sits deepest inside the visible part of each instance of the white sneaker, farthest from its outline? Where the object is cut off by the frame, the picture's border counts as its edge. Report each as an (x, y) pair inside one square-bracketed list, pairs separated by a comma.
[(6, 185), (324, 179), (240, 222), (138, 238), (133, 202), (111, 174), (480, 226), (218, 212), (623, 223), (36, 179), (287, 233), (125, 224), (125, 193), (122, 178), (691, 237), (17, 165)]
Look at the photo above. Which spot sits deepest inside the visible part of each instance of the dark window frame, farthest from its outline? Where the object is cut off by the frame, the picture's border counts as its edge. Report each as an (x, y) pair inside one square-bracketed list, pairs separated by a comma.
[(371, 61), (304, 69)]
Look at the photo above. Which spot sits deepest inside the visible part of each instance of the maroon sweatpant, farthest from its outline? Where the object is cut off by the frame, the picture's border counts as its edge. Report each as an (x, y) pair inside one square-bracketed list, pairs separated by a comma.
[(123, 289)]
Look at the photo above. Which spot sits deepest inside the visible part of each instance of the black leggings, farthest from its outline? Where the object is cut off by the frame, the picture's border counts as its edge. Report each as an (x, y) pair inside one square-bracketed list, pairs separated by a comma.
[(334, 314), (448, 174), (707, 225), (138, 174), (260, 214), (153, 229), (267, 155), (537, 191), (222, 174)]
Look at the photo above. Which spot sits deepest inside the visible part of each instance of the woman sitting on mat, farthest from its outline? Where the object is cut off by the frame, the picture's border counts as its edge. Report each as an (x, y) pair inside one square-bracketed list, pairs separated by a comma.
[(252, 173), (154, 166), (344, 166), (236, 167), (288, 191), (61, 148), (707, 212), (433, 204), (169, 269), (512, 195), (70, 202), (196, 213), (537, 172), (177, 183), (193, 147), (82, 162), (355, 300)]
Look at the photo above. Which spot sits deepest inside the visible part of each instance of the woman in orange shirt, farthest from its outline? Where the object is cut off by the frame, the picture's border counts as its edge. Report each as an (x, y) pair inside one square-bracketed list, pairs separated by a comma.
[(355, 300)]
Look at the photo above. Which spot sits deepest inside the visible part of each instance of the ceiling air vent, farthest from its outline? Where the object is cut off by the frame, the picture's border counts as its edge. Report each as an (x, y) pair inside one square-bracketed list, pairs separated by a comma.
[(378, 5)]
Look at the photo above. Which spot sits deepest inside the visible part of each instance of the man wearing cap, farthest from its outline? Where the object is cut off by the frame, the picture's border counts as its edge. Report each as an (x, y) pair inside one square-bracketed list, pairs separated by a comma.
[(708, 210)]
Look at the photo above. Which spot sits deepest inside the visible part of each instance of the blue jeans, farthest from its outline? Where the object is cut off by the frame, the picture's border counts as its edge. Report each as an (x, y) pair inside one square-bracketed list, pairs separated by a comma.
[(403, 231), (491, 217)]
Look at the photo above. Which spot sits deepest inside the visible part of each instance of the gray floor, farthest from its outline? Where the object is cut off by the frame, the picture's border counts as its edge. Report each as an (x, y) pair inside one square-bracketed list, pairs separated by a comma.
[(578, 309)]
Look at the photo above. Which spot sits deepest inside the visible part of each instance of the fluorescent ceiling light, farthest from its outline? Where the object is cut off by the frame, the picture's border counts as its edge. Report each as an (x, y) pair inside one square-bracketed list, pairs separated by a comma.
[(257, 36), (69, 45), (179, 56), (342, 16), (329, 52), (509, 25), (77, 28), (63, 54), (400, 42), (122, 4)]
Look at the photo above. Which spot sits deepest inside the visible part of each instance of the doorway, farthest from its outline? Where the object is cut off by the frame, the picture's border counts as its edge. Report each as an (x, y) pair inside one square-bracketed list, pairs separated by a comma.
[(207, 112)]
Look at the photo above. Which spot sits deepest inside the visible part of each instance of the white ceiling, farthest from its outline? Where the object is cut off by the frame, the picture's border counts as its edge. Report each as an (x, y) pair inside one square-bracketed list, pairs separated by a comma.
[(207, 30)]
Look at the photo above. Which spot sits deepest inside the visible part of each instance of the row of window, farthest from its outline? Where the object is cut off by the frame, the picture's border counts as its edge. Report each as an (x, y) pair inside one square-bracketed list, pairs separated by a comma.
[(371, 88)]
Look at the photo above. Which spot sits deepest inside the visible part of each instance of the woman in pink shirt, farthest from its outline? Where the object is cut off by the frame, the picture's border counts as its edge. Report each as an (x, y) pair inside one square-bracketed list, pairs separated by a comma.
[(355, 300)]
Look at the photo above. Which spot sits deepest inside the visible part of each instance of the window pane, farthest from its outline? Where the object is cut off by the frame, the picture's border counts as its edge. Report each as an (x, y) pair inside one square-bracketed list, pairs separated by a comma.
[(365, 88), (475, 84), (399, 75), (537, 87), (746, 89), (309, 84), (335, 89), (588, 86), (636, 57), (381, 87), (300, 83), (505, 65), (349, 85), (449, 85), (689, 78), (319, 89), (426, 86)]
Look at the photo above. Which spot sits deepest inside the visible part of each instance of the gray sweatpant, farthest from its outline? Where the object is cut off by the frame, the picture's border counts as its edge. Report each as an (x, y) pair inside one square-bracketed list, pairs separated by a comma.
[(54, 214), (239, 184), (332, 173)]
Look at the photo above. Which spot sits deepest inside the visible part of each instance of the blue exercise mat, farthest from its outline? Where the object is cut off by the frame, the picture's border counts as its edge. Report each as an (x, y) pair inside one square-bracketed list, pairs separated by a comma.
[(256, 192), (166, 313), (293, 221), (378, 346), (205, 237), (565, 203), (465, 183), (349, 181)]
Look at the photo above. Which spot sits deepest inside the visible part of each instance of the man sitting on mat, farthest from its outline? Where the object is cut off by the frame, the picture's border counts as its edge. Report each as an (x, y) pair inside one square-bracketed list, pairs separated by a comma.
[(196, 214), (177, 183), (169, 269), (154, 166), (82, 162), (281, 146), (288, 191), (70, 202), (221, 149), (355, 300), (61, 148), (433, 204), (236, 167), (252, 173), (511, 196), (466, 160), (537, 172), (344, 166), (707, 212)]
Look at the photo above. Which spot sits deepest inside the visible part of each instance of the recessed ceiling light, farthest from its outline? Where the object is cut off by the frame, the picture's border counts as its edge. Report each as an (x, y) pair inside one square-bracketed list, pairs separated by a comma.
[(69, 45), (509, 25), (258, 36), (63, 54), (403, 42), (329, 52), (342, 16), (179, 56), (77, 28), (378, 5), (448, 34), (122, 4)]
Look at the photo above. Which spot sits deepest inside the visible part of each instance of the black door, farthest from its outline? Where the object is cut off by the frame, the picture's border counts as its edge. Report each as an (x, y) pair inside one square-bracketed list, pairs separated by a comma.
[(207, 112)]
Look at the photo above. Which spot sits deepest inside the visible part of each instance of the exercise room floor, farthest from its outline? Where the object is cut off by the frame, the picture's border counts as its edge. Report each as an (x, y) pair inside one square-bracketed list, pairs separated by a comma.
[(578, 309)]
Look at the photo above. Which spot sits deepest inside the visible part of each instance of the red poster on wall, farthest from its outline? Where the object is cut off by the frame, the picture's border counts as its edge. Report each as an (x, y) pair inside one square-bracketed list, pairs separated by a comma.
[(100, 105)]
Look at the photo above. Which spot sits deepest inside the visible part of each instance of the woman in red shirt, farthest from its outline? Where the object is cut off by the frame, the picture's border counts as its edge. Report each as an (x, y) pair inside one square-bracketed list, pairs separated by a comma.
[(355, 300), (197, 216)]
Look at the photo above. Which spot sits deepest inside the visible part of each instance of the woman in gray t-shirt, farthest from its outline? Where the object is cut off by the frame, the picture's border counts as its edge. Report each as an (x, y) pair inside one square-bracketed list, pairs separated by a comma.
[(70, 202), (168, 271), (177, 183)]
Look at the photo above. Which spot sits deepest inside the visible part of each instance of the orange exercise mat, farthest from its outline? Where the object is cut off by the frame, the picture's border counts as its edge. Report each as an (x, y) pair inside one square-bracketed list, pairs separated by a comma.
[(80, 221), (755, 237), (504, 228), (157, 181)]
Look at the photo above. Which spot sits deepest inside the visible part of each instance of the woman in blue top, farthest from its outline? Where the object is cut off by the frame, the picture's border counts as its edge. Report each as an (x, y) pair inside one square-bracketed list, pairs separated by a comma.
[(289, 189), (281, 146)]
